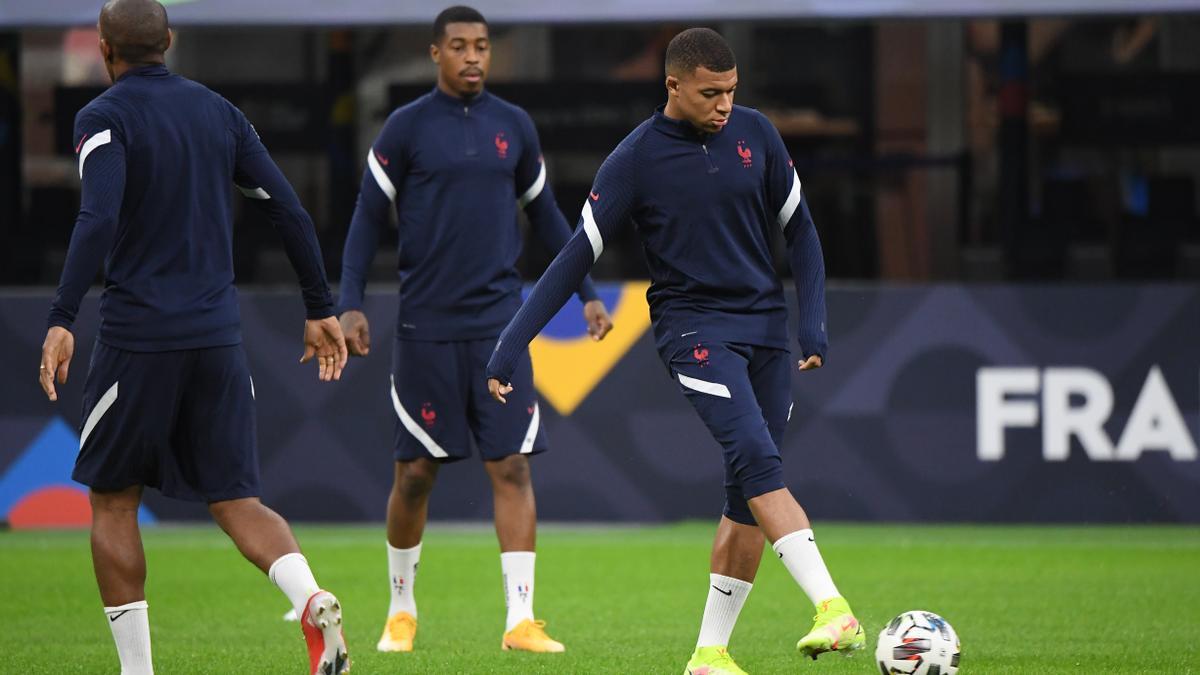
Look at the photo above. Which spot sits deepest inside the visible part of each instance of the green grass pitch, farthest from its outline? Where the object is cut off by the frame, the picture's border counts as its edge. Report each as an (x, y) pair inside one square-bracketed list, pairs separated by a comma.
[(628, 600)]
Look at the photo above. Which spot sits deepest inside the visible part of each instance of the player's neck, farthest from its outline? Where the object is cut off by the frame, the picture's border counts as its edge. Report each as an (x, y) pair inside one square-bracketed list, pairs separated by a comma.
[(120, 68)]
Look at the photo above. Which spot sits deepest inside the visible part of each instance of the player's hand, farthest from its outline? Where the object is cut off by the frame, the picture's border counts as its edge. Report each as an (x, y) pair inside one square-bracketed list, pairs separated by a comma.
[(811, 363), (358, 332), (323, 339), (57, 351), (599, 323), (498, 390)]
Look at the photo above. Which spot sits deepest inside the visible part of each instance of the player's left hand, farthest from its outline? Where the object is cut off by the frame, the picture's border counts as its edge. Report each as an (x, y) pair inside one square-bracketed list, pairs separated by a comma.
[(323, 339), (498, 390), (811, 363), (599, 323), (57, 351)]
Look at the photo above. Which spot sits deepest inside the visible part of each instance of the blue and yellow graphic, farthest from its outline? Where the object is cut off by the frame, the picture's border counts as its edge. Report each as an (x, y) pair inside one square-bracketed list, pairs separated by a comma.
[(568, 364), (36, 489)]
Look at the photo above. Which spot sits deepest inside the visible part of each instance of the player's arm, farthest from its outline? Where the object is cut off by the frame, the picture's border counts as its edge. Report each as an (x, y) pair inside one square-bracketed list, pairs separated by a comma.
[(258, 177), (790, 208), (608, 208), (101, 152), (537, 198), (372, 213)]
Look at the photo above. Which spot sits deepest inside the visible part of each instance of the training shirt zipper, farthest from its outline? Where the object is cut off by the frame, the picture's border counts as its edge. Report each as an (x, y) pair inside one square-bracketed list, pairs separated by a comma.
[(712, 167), (468, 137)]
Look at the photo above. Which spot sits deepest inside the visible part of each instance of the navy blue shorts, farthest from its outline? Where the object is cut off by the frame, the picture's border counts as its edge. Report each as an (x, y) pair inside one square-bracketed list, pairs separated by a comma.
[(180, 421), (441, 399), (744, 396)]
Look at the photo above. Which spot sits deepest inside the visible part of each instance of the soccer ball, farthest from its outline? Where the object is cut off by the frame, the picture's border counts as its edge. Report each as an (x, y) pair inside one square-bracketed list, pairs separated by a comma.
[(917, 643)]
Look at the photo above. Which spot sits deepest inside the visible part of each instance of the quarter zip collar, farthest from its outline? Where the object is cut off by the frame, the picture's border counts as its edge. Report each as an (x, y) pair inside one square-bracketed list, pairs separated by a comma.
[(459, 104), (149, 70), (679, 128)]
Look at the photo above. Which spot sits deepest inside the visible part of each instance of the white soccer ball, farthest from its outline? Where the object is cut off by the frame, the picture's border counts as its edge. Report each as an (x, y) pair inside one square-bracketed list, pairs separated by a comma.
[(917, 643)]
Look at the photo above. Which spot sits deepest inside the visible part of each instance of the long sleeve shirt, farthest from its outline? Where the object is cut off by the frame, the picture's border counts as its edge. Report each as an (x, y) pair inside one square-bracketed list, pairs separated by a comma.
[(455, 171), (704, 206), (159, 158)]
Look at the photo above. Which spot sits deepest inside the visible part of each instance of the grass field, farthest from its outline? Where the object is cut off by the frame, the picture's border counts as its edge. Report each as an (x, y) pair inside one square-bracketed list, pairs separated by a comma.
[(628, 600)]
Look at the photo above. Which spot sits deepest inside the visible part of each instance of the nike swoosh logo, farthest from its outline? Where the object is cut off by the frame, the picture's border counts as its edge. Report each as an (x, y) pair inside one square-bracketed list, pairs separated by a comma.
[(726, 592), (78, 147), (382, 160), (113, 617), (595, 197), (811, 539)]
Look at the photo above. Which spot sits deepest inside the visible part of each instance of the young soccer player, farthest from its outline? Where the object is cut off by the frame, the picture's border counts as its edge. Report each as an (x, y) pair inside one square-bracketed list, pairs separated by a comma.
[(706, 182), (168, 401), (455, 165)]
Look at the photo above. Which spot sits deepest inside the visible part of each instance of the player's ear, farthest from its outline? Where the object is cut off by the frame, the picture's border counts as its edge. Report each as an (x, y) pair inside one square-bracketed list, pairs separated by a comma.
[(170, 39), (672, 85), (435, 54), (106, 51)]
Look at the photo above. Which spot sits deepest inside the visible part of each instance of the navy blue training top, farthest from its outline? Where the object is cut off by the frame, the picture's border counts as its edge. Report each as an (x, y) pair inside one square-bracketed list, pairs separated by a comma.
[(159, 157), (456, 171), (704, 206)]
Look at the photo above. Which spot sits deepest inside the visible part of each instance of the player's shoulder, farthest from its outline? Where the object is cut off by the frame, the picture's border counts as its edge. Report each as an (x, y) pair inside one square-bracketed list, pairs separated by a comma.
[(402, 119), (752, 117), (506, 107)]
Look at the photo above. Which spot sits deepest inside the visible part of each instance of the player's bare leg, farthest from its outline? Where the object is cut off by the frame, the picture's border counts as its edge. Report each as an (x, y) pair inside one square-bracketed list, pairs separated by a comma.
[(266, 540), (408, 509), (260, 534), (408, 502), (516, 529), (786, 525), (120, 565), (514, 503), (117, 554)]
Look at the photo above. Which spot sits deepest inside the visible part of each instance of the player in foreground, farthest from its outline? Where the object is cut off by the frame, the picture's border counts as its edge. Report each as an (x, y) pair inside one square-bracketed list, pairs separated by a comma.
[(168, 401), (706, 181), (455, 165)]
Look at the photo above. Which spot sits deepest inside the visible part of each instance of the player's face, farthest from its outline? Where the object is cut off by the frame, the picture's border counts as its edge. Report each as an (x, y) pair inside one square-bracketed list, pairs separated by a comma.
[(463, 57), (703, 97)]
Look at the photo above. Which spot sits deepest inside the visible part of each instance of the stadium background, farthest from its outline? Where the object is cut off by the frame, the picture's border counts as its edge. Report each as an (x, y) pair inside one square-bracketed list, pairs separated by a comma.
[(993, 188)]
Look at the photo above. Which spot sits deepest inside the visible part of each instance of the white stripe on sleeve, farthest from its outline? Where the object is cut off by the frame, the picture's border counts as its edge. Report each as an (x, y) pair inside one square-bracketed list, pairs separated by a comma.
[(592, 232), (535, 189), (253, 193), (793, 200), (381, 176), (102, 138)]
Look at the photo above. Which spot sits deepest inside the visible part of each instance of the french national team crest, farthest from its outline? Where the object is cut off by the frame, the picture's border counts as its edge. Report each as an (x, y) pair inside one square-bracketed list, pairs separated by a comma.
[(501, 146), (746, 155), (568, 363)]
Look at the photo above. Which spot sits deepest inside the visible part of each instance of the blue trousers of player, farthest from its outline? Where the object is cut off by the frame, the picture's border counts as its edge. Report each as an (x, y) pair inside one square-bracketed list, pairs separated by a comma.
[(179, 421), (743, 393)]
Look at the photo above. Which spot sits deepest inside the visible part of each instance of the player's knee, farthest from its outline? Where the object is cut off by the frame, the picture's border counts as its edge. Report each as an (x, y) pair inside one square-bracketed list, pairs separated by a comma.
[(737, 509), (760, 474), (415, 480), (511, 472)]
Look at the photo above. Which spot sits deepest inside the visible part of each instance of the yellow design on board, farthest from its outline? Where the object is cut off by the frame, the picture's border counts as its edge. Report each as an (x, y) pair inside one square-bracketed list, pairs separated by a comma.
[(566, 371)]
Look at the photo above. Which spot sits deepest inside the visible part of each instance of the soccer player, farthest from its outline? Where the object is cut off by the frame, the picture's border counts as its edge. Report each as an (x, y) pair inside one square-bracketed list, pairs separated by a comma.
[(455, 165), (706, 182), (168, 401)]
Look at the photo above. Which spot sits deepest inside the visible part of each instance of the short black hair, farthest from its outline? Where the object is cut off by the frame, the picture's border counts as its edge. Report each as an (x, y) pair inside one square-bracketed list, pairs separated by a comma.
[(455, 14), (137, 30), (696, 47)]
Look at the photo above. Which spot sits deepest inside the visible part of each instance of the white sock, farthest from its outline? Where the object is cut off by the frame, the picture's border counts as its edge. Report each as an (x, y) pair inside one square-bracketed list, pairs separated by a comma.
[(726, 596), (130, 626), (799, 554), (292, 575), (518, 586), (402, 575)]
